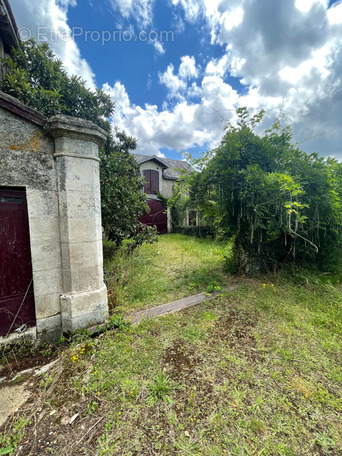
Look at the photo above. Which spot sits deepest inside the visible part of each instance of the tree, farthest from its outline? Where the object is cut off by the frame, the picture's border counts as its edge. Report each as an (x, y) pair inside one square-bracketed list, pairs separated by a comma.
[(277, 202), (122, 194), (37, 78)]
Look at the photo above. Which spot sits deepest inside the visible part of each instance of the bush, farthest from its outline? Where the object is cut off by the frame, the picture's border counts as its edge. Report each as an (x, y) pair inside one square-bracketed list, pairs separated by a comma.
[(279, 203)]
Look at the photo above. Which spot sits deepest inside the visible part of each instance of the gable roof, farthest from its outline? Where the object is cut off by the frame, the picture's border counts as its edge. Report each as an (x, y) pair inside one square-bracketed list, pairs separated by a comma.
[(171, 168), (8, 28)]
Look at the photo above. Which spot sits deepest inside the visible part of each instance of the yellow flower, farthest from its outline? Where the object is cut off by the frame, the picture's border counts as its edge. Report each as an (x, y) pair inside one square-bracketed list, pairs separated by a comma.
[(264, 285)]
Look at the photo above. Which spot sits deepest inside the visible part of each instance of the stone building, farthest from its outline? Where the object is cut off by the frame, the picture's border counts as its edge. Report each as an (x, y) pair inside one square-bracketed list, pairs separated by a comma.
[(160, 176), (9, 35), (51, 272)]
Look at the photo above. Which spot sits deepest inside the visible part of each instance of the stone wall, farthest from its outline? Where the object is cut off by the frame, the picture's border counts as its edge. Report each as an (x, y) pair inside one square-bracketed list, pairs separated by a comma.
[(56, 161), (168, 187)]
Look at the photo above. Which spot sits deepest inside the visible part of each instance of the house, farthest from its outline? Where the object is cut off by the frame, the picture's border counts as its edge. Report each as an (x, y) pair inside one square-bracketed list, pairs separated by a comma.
[(51, 267), (160, 176), (9, 35)]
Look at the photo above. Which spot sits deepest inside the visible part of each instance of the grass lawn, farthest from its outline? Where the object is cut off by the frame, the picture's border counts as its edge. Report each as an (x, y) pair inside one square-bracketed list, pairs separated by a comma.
[(175, 267), (255, 372)]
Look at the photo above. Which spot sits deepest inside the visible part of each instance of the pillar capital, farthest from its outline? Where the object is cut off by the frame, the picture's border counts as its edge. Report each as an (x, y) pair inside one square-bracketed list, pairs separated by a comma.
[(61, 126)]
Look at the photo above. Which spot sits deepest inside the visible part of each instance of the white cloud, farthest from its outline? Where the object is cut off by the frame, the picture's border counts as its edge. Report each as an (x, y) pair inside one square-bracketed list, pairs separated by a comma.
[(184, 126), (139, 10), (335, 14), (48, 21), (178, 83), (192, 8), (173, 83), (218, 66), (275, 47), (159, 47), (187, 69), (305, 5)]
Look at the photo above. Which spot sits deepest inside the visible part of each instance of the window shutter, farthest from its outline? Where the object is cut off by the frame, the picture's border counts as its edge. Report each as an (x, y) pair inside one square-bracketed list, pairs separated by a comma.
[(154, 181), (151, 181), (147, 176)]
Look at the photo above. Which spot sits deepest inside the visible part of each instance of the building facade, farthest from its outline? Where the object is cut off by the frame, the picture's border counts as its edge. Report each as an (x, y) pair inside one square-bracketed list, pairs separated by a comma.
[(160, 176)]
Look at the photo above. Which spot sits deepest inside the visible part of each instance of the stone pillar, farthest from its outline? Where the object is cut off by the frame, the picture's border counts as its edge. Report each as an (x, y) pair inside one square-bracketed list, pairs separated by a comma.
[(84, 298)]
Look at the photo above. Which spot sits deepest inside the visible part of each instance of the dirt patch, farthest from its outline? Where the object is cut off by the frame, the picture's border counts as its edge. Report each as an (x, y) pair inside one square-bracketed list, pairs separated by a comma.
[(12, 365), (236, 329), (58, 418), (58, 432), (181, 359)]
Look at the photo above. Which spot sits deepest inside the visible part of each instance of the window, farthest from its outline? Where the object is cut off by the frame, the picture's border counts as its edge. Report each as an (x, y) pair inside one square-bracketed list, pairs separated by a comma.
[(151, 181), (192, 218)]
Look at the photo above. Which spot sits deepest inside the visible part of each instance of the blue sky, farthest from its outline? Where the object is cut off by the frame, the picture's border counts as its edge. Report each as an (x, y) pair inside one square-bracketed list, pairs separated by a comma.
[(281, 56)]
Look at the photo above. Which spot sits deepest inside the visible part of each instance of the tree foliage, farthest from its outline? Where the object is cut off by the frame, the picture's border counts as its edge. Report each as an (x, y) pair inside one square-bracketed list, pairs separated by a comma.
[(37, 78), (121, 188), (278, 202)]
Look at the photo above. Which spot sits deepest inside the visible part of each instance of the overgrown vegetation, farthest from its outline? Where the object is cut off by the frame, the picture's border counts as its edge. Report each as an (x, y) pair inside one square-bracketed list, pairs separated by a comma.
[(37, 78), (257, 371), (122, 198), (278, 203), (175, 267)]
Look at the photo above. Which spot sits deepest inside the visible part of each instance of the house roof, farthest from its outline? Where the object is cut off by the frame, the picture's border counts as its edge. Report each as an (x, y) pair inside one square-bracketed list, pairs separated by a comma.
[(8, 27), (172, 169)]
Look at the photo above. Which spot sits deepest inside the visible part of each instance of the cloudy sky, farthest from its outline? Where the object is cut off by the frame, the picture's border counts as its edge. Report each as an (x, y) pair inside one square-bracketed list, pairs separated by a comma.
[(178, 69)]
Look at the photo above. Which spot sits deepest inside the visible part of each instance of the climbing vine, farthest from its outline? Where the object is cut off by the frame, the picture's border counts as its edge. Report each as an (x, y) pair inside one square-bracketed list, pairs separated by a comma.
[(279, 203)]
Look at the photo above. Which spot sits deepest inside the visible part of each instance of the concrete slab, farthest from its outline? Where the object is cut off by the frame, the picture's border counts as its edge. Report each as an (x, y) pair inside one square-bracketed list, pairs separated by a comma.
[(175, 306), (11, 398)]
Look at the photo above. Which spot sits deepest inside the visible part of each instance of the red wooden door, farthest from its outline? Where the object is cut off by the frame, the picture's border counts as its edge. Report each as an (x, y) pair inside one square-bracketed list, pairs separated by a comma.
[(16, 288), (156, 217)]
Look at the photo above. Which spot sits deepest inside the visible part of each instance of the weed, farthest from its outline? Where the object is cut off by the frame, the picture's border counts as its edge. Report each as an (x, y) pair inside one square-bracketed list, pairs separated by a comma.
[(160, 388), (91, 408), (187, 445), (215, 286), (9, 442), (118, 322), (256, 372), (180, 266), (46, 381)]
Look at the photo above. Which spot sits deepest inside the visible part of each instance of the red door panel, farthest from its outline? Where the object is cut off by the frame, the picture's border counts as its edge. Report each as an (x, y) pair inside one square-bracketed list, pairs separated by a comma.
[(15, 263), (156, 217)]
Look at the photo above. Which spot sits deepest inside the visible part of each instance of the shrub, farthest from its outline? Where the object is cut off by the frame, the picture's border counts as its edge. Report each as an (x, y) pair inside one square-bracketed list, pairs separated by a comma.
[(278, 202)]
